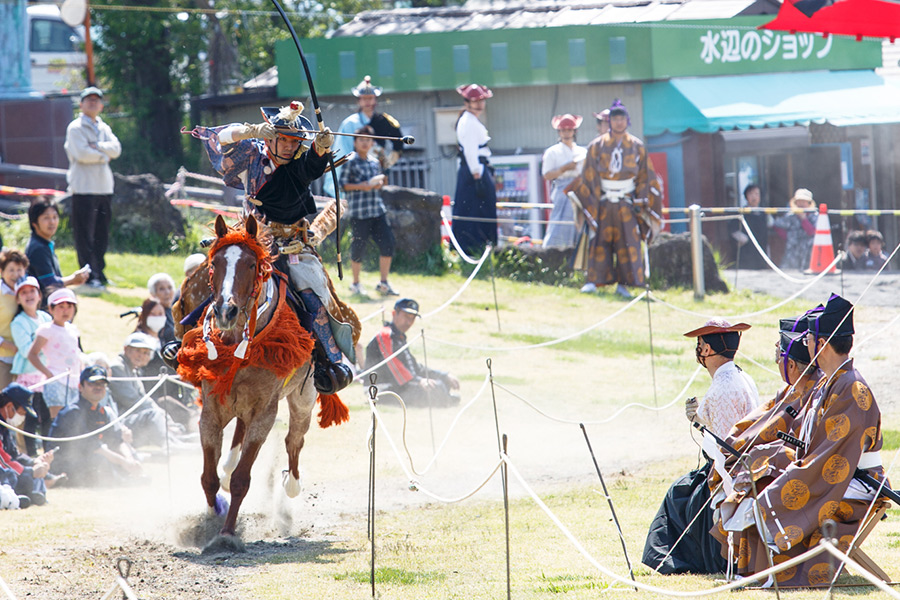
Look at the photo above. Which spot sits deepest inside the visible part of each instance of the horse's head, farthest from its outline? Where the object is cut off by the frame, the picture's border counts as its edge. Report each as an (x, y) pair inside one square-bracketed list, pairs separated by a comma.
[(238, 266)]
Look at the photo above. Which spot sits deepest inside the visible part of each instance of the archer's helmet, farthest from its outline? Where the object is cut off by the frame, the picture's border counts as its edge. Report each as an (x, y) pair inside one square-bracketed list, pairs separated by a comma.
[(288, 121)]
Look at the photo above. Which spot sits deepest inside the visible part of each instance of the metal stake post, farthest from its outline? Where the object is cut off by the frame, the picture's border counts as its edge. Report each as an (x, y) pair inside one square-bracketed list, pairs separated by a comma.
[(501, 448), (652, 354), (697, 252), (612, 509), (373, 393), (494, 285)]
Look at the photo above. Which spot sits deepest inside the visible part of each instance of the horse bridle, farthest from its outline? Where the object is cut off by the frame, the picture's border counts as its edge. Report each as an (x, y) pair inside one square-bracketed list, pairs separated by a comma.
[(250, 314)]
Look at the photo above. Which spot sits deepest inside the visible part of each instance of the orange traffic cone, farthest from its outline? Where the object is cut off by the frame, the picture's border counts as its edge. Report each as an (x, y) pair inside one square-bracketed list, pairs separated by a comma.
[(446, 213), (823, 249)]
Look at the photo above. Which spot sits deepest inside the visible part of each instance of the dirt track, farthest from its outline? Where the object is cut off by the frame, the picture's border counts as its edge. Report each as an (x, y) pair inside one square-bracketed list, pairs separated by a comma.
[(162, 527)]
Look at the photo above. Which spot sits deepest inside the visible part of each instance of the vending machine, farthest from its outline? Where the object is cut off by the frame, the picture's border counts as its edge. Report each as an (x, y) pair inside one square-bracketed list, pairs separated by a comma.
[(518, 180)]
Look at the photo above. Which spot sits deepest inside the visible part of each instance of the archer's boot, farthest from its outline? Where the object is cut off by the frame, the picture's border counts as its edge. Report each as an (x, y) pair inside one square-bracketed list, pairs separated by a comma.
[(331, 377)]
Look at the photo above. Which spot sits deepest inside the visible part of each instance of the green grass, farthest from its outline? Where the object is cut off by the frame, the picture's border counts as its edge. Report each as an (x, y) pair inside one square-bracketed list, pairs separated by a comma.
[(389, 575), (431, 551), (890, 439)]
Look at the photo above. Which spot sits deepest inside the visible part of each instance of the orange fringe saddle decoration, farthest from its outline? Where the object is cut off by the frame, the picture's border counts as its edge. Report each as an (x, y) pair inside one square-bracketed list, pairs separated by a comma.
[(281, 347)]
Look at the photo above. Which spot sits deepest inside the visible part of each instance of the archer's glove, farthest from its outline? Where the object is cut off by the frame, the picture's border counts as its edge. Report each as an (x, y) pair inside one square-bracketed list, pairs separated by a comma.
[(169, 354), (690, 409), (324, 141), (263, 131)]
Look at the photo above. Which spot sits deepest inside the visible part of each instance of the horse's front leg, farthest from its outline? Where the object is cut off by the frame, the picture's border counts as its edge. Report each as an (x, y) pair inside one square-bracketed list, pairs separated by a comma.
[(255, 435), (301, 405), (234, 454), (211, 442)]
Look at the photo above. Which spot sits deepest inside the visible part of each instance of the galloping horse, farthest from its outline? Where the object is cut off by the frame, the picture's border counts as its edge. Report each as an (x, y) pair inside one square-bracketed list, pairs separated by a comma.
[(248, 354)]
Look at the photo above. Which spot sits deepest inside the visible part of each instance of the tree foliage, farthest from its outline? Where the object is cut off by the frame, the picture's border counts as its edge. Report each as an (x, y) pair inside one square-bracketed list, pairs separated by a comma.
[(153, 59)]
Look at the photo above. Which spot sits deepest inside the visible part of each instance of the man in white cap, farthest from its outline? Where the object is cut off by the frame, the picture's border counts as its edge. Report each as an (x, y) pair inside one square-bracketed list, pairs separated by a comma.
[(149, 424), (560, 165), (382, 124), (90, 145)]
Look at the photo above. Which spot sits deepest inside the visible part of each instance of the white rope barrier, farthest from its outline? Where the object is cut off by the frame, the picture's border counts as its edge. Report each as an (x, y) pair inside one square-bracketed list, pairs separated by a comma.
[(603, 321), (615, 415), (362, 374), (413, 484), (758, 364), (6, 590), (455, 242), (762, 575), (98, 431), (766, 258), (380, 311), (478, 265), (763, 311), (453, 424)]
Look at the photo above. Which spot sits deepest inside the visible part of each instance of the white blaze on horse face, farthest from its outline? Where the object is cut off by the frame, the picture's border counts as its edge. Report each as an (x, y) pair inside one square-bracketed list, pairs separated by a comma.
[(232, 256)]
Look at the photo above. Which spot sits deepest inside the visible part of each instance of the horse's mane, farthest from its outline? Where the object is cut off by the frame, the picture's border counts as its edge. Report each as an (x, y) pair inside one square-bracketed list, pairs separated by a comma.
[(259, 244)]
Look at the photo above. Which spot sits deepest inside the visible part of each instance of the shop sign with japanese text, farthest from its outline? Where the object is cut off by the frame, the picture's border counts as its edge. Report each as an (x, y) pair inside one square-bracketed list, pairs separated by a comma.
[(736, 47)]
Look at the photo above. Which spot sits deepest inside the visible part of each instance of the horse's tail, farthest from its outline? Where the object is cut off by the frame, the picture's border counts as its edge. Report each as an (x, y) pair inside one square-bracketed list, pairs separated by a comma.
[(332, 410)]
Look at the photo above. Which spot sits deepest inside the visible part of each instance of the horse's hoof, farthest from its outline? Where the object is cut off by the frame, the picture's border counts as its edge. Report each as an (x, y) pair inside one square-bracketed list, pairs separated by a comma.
[(291, 485), (224, 543), (220, 508)]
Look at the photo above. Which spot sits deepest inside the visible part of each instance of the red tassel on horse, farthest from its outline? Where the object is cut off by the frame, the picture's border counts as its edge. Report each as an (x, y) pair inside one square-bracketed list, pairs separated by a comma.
[(332, 410)]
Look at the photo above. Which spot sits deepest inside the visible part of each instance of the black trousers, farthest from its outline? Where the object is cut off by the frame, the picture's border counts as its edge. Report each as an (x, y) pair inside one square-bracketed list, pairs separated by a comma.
[(91, 215)]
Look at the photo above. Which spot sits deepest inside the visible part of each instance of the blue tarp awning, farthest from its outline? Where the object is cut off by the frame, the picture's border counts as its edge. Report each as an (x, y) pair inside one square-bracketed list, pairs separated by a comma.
[(709, 104)]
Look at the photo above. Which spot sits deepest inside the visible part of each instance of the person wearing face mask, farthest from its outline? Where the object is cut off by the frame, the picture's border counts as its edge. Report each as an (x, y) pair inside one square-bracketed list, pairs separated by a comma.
[(29, 477), (154, 321), (679, 539), (162, 287), (732, 394)]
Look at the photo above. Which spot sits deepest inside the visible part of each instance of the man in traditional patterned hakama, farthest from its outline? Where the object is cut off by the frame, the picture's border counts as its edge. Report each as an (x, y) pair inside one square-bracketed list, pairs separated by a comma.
[(731, 395), (614, 188), (840, 430), (762, 424), (755, 432), (560, 165)]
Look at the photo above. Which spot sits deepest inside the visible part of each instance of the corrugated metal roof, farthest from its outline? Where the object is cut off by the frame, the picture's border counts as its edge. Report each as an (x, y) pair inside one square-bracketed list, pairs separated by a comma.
[(497, 14), (710, 9)]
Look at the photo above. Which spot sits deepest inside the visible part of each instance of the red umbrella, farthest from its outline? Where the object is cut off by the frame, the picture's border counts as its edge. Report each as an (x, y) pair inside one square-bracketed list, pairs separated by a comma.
[(858, 18)]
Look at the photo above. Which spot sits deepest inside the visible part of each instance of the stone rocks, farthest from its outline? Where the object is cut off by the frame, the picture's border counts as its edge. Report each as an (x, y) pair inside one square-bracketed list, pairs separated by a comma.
[(140, 207), (415, 218), (670, 263)]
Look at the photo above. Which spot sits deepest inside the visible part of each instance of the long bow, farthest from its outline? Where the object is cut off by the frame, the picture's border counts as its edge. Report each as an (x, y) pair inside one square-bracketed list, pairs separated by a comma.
[(315, 101)]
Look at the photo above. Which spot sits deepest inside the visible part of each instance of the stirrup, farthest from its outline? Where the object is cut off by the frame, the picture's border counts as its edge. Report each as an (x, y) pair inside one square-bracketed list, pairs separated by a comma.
[(330, 378)]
